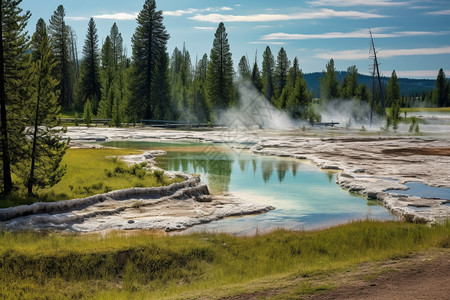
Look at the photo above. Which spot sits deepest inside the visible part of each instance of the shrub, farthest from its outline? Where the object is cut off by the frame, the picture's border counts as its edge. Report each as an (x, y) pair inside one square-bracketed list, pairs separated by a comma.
[(159, 174)]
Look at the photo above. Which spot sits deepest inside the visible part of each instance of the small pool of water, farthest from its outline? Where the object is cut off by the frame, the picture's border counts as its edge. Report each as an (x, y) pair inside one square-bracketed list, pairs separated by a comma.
[(420, 189), (304, 196)]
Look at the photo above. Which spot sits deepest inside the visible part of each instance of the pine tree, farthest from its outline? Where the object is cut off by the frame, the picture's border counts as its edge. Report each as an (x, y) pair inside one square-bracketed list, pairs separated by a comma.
[(288, 88), (244, 69), (60, 38), (43, 168), (220, 73), (90, 68), (329, 84), (298, 98), (174, 70), (256, 76), (268, 65), (362, 93), (392, 90), (182, 84), (349, 84), (87, 112), (149, 39), (107, 76), (117, 50), (280, 72), (201, 108), (440, 93), (112, 103), (160, 90), (14, 81), (73, 55)]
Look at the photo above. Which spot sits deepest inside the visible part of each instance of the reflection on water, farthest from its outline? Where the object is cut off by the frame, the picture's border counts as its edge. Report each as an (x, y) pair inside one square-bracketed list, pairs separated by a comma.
[(304, 196)]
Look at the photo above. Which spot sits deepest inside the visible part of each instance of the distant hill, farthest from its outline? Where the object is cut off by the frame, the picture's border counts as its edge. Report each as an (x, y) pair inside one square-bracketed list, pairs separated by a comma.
[(408, 87)]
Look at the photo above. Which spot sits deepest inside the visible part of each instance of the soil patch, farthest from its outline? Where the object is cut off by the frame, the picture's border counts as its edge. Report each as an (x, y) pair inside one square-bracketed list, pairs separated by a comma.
[(421, 277)]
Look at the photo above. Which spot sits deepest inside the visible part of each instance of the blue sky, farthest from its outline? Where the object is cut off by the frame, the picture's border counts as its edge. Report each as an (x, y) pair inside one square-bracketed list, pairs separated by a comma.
[(412, 37)]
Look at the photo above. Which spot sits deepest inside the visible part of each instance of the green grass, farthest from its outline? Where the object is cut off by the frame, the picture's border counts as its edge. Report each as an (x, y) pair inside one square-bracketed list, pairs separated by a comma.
[(90, 172), (425, 109), (40, 266), (66, 113)]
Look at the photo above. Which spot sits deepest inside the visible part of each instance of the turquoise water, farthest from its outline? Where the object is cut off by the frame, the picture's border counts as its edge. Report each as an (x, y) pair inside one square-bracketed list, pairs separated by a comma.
[(304, 196), (420, 189)]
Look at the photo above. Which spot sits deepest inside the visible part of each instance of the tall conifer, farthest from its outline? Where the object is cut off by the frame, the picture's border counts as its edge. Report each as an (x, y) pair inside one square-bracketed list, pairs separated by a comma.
[(60, 38), (148, 42), (42, 163), (14, 80), (90, 68), (220, 73)]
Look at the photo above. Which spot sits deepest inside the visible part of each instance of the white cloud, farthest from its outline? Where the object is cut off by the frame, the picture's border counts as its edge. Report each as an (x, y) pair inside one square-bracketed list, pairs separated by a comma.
[(340, 3), (418, 73), (345, 55), (191, 11), (417, 51), (362, 33), (267, 43), (204, 28), (77, 18), (306, 15), (263, 26), (439, 12), (382, 53), (114, 16), (118, 16)]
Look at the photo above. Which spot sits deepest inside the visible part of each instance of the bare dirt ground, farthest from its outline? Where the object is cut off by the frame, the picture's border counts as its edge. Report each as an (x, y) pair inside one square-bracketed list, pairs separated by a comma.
[(426, 276), (421, 276)]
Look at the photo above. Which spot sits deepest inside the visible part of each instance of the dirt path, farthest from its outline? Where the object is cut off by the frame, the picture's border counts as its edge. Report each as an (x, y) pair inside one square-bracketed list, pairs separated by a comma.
[(422, 277)]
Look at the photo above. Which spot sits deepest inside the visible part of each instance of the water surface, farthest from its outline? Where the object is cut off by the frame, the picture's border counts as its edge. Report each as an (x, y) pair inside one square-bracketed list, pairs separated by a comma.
[(420, 189), (304, 196)]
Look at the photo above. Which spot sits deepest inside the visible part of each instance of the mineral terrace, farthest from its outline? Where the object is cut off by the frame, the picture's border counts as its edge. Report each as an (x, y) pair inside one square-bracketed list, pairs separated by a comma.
[(368, 165)]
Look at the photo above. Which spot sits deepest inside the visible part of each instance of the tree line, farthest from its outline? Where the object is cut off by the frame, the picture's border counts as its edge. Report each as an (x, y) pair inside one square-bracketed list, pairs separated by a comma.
[(41, 74)]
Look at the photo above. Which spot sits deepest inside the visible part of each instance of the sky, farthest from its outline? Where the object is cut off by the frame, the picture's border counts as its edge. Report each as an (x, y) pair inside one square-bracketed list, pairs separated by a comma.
[(411, 37)]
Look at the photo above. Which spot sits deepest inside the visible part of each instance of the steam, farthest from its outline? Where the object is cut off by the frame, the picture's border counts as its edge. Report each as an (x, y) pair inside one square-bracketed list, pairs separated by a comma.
[(253, 110), (350, 114)]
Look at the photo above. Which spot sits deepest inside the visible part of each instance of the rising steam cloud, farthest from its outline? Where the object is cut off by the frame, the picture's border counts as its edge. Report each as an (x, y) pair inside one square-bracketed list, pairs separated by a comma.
[(253, 110)]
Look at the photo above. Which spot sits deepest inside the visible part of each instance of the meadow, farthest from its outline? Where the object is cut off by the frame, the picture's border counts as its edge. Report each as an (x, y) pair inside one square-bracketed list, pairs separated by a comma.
[(90, 172), (151, 266)]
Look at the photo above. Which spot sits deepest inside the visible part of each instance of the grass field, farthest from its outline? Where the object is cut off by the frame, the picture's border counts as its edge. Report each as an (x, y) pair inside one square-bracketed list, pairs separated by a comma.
[(54, 266), (90, 172), (425, 109)]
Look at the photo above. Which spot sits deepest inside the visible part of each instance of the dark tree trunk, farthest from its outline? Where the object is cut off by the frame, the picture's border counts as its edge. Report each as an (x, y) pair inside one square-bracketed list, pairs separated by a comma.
[(7, 182)]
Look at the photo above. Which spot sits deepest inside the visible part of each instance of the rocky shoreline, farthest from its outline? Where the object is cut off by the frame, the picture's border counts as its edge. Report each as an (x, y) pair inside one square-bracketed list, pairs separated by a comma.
[(173, 207), (368, 165)]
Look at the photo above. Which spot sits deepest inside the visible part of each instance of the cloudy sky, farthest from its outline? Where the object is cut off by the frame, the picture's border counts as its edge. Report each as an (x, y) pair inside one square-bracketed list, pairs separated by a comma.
[(412, 37)]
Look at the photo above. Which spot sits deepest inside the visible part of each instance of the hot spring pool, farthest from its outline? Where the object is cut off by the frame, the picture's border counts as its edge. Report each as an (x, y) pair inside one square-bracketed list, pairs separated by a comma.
[(304, 196)]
